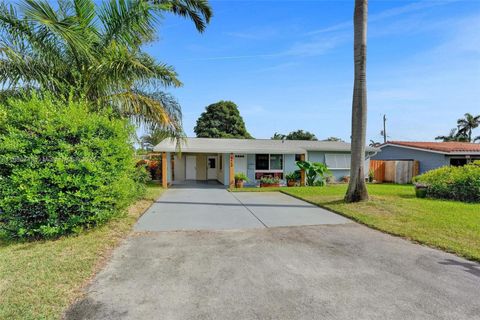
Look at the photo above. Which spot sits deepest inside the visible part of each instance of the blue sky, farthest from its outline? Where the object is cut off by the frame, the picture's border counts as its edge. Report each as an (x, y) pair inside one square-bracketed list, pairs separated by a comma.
[(288, 65)]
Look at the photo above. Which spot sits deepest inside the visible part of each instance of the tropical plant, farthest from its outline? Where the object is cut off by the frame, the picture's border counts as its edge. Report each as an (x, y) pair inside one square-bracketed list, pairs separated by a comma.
[(155, 136), (221, 120), (467, 124), (374, 143), (315, 172), (76, 49), (454, 135), (240, 176), (357, 188), (476, 139), (293, 176), (278, 136)]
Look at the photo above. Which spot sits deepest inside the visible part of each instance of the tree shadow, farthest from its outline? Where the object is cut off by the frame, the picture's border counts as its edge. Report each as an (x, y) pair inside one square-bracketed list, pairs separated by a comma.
[(470, 267)]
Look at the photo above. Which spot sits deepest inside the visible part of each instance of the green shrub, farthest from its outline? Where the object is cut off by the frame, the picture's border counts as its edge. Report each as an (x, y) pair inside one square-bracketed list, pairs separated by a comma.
[(62, 168), (240, 176), (455, 183)]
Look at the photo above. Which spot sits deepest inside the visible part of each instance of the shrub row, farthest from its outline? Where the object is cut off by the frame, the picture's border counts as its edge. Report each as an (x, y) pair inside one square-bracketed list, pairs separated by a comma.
[(455, 183), (62, 168)]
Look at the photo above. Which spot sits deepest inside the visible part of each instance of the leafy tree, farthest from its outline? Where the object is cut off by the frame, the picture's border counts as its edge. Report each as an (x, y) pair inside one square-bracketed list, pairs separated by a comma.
[(467, 124), (295, 135), (150, 140), (333, 139), (357, 188), (221, 120), (78, 50)]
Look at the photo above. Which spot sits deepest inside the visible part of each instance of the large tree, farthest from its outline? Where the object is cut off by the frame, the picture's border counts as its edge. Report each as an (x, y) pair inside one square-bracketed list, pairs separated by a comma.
[(76, 49), (295, 135), (357, 188), (221, 120), (454, 135)]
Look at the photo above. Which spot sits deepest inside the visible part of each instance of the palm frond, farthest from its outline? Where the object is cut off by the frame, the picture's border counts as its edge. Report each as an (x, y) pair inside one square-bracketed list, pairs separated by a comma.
[(199, 11)]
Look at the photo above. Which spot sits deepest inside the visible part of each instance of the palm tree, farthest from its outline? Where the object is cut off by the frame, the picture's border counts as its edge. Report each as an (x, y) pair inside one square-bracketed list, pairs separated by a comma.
[(454, 135), (83, 51), (467, 124), (357, 188), (476, 139)]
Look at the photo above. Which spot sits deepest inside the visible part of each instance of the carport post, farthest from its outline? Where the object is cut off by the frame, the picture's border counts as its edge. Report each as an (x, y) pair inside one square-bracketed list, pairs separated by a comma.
[(232, 171), (164, 170), (302, 172)]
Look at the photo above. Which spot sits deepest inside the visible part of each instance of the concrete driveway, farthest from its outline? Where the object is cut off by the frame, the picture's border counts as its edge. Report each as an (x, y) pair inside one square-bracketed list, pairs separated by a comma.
[(212, 207), (334, 271)]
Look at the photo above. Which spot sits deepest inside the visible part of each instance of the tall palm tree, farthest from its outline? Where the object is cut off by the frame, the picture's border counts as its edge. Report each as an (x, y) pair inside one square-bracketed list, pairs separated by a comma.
[(467, 124), (454, 135), (357, 188), (79, 50)]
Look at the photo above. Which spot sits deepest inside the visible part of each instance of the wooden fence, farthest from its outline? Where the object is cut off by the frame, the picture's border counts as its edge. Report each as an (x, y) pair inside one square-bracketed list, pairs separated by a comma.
[(396, 171)]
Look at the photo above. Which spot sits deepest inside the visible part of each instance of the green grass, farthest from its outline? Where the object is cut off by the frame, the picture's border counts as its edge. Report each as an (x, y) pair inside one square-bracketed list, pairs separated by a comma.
[(38, 280), (448, 225)]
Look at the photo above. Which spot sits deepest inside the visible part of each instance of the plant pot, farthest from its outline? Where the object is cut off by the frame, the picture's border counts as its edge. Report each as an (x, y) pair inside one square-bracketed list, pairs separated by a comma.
[(421, 191), (291, 183), (346, 179), (239, 183), (269, 185)]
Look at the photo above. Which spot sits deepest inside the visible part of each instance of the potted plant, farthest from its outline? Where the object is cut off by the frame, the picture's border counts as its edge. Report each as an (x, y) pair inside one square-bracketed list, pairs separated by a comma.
[(421, 190), (346, 179), (292, 178), (268, 181), (371, 176), (240, 178)]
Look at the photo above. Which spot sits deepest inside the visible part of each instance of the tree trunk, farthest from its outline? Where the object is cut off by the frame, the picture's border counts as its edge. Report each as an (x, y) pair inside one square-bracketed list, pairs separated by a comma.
[(357, 188)]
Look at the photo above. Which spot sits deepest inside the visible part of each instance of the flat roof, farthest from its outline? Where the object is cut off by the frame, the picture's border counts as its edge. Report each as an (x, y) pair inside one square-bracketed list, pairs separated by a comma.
[(214, 145)]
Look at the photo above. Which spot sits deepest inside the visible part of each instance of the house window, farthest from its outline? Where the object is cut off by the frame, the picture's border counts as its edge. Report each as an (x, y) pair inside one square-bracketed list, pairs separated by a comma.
[(261, 162), (337, 160), (269, 162), (276, 161), (298, 157)]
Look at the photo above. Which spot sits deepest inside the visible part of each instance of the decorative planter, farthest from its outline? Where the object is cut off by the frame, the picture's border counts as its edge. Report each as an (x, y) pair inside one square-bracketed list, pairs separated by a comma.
[(269, 185), (291, 183), (421, 190), (346, 179), (239, 183)]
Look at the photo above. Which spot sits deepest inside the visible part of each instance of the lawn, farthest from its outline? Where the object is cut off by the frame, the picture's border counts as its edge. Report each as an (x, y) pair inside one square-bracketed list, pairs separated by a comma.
[(448, 225), (38, 280)]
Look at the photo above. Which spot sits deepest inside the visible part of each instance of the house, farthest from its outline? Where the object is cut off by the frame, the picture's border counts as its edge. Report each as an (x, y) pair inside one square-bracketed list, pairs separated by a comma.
[(203, 159), (430, 155)]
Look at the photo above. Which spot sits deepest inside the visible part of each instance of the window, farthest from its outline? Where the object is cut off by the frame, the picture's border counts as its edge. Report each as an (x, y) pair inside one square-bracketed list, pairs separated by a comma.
[(298, 157), (261, 162), (268, 162), (337, 160), (276, 161)]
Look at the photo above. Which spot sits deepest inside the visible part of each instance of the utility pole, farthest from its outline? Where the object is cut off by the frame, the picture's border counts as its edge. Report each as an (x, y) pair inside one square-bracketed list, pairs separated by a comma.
[(384, 128)]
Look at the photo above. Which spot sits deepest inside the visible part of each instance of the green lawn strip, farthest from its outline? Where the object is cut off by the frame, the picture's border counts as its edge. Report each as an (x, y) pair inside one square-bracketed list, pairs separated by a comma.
[(39, 279), (448, 225)]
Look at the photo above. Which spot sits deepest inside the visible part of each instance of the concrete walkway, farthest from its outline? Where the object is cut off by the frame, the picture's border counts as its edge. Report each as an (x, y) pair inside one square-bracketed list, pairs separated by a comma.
[(214, 208)]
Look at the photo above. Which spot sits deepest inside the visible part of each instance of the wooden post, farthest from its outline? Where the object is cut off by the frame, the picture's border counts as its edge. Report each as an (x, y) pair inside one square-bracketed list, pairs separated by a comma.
[(164, 170), (232, 171), (302, 172)]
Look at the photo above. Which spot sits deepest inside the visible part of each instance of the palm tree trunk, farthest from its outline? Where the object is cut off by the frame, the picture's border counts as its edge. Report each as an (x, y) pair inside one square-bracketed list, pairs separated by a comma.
[(357, 188)]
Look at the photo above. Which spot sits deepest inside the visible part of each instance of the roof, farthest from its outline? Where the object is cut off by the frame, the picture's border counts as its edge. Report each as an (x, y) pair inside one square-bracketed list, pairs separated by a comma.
[(442, 147), (213, 145)]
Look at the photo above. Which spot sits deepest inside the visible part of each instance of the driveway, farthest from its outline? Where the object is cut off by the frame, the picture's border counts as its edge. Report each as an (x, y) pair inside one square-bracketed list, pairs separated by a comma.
[(325, 271), (212, 207)]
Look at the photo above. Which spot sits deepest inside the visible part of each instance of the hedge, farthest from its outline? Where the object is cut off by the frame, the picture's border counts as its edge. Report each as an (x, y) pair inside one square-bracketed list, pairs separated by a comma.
[(455, 183), (62, 167)]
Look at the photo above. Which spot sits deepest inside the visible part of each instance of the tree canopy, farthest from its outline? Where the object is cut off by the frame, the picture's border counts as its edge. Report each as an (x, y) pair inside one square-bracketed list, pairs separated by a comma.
[(221, 120), (463, 131), (295, 135), (77, 49)]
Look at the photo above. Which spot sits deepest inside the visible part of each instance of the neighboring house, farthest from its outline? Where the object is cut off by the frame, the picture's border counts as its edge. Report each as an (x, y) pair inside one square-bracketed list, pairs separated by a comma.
[(219, 159), (431, 155)]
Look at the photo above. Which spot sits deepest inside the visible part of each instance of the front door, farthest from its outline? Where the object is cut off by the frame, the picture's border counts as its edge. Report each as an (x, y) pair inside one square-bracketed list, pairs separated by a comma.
[(212, 168), (191, 168)]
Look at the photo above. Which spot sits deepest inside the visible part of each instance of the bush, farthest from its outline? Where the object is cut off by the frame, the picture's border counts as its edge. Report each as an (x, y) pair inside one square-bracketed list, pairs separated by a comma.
[(455, 183), (62, 168)]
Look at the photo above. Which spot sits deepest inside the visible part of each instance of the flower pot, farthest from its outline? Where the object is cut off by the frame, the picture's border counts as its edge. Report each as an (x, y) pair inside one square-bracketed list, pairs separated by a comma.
[(239, 183), (421, 191), (269, 185), (291, 183)]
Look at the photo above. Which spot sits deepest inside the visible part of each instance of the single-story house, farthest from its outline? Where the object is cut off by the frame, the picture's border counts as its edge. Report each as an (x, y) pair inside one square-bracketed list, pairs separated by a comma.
[(430, 155), (219, 159)]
